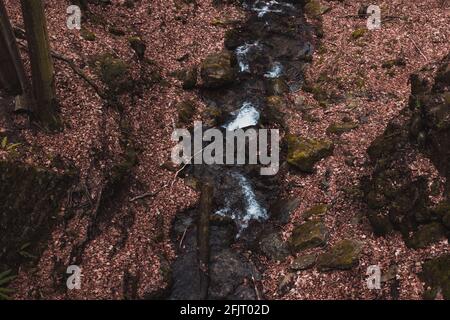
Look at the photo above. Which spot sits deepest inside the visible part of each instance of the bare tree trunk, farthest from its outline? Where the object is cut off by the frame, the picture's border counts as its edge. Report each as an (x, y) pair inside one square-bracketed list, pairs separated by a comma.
[(41, 62), (13, 72)]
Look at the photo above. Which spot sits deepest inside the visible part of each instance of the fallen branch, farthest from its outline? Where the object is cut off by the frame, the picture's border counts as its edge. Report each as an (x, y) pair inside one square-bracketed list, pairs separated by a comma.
[(79, 72), (148, 194), (73, 66)]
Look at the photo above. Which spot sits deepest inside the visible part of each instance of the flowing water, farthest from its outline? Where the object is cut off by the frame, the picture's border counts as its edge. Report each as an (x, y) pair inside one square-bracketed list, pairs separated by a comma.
[(269, 46)]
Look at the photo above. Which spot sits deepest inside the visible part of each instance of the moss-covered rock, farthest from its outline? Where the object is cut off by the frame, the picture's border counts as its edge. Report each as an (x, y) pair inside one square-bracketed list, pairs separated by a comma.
[(303, 153), (342, 127), (308, 235), (314, 9), (114, 72), (358, 33), (426, 235), (218, 70), (342, 256), (436, 274), (316, 211)]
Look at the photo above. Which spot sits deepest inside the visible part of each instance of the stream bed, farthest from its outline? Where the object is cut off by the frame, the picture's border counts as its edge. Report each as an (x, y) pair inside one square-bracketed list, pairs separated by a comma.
[(271, 49)]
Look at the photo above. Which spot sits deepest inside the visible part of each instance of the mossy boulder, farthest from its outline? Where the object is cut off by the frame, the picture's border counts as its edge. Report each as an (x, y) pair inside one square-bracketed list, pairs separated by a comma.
[(304, 262), (114, 72), (343, 255), (426, 235), (139, 46), (273, 246), (218, 70), (303, 153), (342, 127), (308, 235), (315, 212), (436, 274)]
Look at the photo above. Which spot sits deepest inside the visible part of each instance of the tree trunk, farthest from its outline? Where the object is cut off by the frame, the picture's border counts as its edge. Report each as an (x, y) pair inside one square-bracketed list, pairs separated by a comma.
[(11, 66), (8, 74), (41, 62), (206, 206)]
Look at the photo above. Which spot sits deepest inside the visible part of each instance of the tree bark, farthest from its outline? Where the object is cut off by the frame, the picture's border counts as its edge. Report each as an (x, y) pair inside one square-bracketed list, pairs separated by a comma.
[(41, 62), (18, 82), (9, 76)]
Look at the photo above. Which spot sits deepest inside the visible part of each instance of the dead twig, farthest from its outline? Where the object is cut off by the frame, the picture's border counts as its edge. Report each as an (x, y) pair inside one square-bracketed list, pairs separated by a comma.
[(417, 47), (258, 295), (183, 236), (148, 194)]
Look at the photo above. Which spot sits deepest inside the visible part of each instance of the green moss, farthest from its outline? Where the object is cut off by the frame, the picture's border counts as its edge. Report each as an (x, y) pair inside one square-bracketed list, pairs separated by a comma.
[(339, 128), (343, 255), (308, 235), (358, 33), (314, 9), (113, 71), (303, 153)]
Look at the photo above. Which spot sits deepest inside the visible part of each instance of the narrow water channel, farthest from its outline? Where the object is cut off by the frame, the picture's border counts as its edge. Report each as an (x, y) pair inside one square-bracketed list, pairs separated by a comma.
[(271, 48)]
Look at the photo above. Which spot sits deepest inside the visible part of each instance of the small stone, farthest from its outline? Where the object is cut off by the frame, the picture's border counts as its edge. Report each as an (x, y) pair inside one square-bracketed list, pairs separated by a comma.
[(304, 262), (273, 247), (316, 211)]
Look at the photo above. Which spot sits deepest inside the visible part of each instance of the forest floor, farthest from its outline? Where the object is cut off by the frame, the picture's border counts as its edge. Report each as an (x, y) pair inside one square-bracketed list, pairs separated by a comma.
[(179, 36)]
